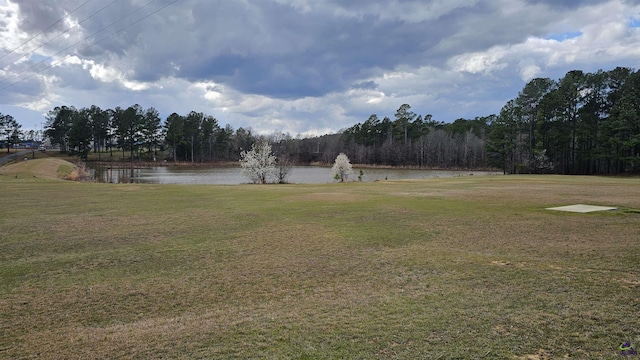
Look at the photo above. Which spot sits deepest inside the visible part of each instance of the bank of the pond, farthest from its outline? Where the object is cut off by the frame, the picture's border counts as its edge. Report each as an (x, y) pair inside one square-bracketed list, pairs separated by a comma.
[(229, 175)]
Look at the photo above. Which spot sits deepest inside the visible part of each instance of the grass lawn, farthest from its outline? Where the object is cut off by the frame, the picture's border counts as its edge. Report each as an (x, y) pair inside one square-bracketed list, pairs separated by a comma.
[(460, 268)]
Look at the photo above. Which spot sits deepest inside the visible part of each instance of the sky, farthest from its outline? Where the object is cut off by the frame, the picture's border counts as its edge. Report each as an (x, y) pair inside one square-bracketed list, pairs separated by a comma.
[(301, 67)]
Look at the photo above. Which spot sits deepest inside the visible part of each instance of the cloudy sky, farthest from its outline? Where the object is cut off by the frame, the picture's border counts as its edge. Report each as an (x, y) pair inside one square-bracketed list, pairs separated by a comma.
[(301, 66)]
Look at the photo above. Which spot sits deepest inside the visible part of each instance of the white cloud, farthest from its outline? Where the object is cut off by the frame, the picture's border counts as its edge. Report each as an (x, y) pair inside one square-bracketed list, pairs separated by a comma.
[(103, 73), (481, 62), (528, 72), (290, 65), (136, 85), (11, 37), (41, 105), (604, 38)]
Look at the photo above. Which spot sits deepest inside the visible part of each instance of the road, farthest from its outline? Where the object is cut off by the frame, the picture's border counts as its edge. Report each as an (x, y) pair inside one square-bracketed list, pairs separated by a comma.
[(6, 159)]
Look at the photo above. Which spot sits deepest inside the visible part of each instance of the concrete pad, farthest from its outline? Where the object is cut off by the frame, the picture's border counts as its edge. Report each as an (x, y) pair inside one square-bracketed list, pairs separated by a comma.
[(580, 208)]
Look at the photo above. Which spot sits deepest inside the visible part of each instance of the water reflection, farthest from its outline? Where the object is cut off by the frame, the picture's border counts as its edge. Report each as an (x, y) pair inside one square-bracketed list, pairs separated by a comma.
[(232, 175), (115, 174)]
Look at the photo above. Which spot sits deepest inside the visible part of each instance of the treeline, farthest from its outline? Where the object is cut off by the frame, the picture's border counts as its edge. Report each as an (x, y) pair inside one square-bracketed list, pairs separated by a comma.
[(417, 140), (140, 134), (10, 130), (583, 123)]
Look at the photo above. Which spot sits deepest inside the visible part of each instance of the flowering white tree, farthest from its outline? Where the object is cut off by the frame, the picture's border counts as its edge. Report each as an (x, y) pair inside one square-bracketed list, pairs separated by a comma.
[(341, 168), (258, 164)]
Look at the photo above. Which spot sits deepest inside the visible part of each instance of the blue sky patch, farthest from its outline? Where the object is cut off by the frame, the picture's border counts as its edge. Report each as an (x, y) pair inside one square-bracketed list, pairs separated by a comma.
[(634, 23), (564, 36)]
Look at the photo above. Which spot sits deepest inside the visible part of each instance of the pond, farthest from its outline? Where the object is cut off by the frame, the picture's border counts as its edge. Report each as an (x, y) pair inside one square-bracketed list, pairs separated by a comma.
[(232, 175)]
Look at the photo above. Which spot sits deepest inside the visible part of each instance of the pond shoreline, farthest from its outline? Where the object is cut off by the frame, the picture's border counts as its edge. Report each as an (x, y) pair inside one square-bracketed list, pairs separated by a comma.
[(225, 164), (139, 173)]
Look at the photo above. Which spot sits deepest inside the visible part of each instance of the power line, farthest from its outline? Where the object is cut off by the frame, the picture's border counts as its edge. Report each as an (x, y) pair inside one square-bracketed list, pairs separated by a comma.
[(57, 36), (43, 31), (88, 46), (83, 39)]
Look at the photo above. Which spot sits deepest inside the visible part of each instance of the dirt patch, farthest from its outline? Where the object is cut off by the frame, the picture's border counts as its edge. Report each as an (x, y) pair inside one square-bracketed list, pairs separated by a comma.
[(79, 172), (542, 354)]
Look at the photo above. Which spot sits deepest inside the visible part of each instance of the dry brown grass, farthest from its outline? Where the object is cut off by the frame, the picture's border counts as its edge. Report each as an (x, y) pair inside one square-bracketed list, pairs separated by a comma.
[(470, 267), (47, 168)]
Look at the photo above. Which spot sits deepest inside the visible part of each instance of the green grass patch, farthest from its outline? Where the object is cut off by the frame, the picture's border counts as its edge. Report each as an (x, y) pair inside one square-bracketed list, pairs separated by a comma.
[(469, 267), (64, 171)]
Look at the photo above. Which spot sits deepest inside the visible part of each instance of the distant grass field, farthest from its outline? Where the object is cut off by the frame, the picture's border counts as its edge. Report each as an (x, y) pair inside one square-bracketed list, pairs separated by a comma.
[(460, 268)]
